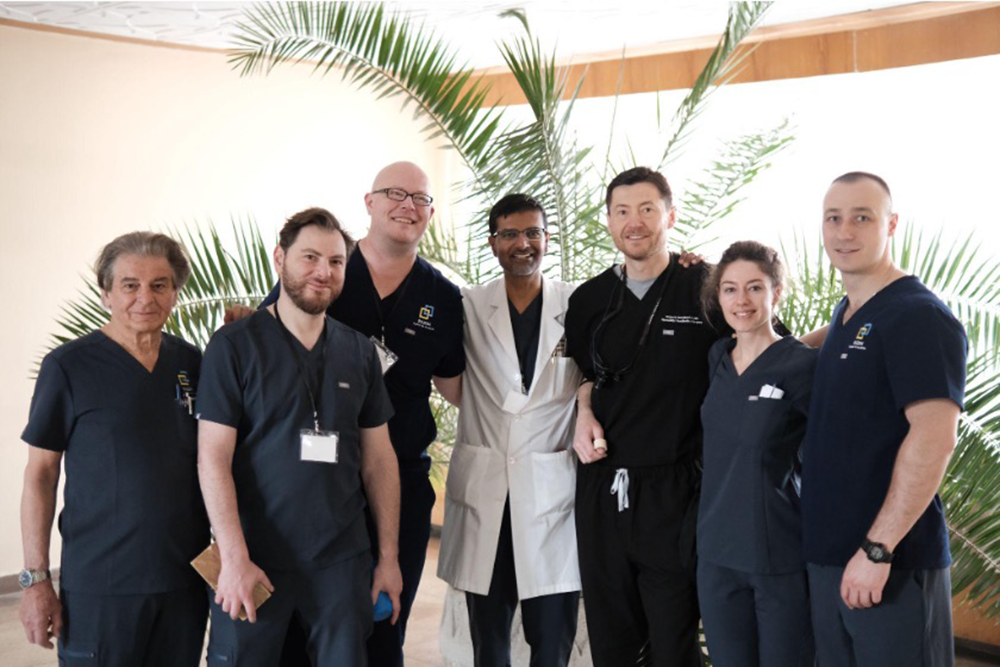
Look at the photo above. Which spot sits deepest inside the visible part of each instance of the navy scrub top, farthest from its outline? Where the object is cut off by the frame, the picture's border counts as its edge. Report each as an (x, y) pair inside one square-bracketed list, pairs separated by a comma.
[(423, 325), (903, 345), (748, 519), (133, 517), (295, 514)]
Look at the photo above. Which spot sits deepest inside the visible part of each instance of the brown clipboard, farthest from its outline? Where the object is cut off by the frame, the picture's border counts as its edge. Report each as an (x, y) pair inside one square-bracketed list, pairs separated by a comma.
[(208, 564)]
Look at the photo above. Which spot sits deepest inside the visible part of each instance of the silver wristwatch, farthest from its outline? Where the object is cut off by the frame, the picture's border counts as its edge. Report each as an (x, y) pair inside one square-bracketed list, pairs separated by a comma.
[(29, 578)]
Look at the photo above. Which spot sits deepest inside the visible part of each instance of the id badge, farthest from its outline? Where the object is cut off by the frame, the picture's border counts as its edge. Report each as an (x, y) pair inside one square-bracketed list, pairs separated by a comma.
[(320, 446), (386, 356)]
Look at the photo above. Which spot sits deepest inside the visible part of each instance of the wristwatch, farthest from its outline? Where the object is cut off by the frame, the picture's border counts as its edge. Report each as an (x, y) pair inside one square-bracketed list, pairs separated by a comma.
[(876, 551), (29, 578)]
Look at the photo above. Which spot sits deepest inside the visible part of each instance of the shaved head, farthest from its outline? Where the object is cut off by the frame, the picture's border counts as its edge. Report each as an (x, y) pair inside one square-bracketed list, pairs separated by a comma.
[(391, 176)]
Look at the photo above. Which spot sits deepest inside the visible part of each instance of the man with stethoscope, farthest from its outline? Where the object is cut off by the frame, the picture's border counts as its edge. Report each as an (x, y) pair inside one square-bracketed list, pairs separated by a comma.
[(509, 532)]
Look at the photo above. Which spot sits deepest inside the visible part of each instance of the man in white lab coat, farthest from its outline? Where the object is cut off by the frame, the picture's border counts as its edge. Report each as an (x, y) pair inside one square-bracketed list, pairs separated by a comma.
[(509, 531)]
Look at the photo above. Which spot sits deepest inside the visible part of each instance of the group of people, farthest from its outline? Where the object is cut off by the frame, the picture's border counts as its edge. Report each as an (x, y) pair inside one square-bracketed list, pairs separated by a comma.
[(654, 438)]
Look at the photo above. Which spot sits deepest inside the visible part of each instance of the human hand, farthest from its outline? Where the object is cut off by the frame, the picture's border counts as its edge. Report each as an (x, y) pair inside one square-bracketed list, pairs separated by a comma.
[(41, 614), (388, 578), (688, 259), (237, 580), (236, 312), (863, 581), (588, 429)]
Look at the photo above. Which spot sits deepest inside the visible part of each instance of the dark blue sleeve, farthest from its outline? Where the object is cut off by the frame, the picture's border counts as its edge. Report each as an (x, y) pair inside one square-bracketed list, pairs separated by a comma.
[(51, 417), (220, 393), (377, 408), (926, 357), (453, 362), (271, 297)]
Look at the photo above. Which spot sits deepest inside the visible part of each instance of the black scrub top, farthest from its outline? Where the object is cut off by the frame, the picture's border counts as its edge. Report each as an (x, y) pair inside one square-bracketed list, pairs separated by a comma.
[(902, 346), (295, 514), (748, 519), (133, 517), (651, 415), (423, 325)]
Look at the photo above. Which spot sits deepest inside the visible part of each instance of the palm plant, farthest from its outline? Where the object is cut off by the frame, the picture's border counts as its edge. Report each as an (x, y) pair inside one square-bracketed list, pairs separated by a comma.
[(391, 57)]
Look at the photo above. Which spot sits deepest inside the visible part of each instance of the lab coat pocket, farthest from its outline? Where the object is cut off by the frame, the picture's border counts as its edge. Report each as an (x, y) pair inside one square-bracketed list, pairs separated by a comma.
[(468, 472), (554, 478)]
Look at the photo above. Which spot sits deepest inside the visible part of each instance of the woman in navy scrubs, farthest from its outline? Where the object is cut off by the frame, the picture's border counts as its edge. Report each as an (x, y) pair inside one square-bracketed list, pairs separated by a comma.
[(751, 577)]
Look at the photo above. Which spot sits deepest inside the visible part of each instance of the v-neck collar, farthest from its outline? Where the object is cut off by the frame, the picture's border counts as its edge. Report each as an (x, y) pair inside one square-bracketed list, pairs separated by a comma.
[(138, 364), (756, 363), (876, 299)]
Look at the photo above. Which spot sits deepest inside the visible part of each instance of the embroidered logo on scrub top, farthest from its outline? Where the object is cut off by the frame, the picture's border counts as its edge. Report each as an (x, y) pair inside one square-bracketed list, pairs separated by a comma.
[(859, 341), (424, 317)]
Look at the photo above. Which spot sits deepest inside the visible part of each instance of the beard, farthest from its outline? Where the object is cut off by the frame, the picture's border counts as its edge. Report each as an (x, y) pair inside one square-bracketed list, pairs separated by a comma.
[(296, 290)]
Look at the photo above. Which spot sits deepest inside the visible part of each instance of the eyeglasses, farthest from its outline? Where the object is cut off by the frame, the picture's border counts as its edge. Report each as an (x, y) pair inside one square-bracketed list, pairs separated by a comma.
[(399, 194), (531, 233)]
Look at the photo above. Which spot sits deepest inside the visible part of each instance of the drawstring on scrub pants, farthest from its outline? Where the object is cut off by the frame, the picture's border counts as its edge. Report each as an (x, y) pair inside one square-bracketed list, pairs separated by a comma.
[(620, 488)]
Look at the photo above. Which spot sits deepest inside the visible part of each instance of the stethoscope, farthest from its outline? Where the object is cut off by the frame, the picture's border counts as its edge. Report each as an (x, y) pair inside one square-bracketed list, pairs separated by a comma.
[(605, 374)]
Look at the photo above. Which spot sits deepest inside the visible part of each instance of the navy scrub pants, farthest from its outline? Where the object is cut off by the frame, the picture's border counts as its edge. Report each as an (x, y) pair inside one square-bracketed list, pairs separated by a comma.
[(385, 645), (911, 626), (148, 630), (549, 621), (755, 620), (638, 566), (333, 608)]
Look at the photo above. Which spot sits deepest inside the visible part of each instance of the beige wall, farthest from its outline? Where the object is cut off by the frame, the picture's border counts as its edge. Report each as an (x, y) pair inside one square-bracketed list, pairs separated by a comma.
[(101, 137)]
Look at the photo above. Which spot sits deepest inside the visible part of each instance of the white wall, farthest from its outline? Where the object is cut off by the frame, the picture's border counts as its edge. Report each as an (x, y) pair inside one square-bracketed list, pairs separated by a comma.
[(101, 137)]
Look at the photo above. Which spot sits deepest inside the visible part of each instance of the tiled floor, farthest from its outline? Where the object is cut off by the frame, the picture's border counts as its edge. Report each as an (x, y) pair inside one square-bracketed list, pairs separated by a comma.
[(421, 643)]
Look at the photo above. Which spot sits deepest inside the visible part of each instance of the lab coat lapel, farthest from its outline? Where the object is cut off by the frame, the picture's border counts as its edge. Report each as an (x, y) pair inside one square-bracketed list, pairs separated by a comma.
[(500, 321), (551, 329)]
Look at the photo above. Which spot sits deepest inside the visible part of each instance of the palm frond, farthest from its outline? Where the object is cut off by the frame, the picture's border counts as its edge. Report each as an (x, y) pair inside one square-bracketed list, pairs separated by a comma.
[(723, 64)]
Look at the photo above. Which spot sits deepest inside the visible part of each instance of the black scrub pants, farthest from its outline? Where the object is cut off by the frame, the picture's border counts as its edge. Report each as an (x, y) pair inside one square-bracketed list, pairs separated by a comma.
[(549, 621), (755, 620), (638, 565), (911, 626), (148, 630), (332, 606), (385, 645)]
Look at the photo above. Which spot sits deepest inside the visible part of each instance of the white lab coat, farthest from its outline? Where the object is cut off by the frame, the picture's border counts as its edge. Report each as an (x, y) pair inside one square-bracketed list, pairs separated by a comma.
[(511, 442)]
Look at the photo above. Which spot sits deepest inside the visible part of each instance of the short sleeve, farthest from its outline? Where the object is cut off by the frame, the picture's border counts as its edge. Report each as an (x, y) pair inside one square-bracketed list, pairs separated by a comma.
[(377, 408), (220, 396), (577, 345), (51, 417), (453, 361), (926, 357)]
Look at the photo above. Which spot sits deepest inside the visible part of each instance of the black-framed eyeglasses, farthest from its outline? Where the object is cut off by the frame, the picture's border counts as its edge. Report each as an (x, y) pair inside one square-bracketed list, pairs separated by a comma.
[(399, 194), (509, 235)]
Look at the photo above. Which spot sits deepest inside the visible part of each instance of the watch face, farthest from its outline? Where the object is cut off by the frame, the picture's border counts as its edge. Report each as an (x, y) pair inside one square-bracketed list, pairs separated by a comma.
[(877, 553), (24, 578)]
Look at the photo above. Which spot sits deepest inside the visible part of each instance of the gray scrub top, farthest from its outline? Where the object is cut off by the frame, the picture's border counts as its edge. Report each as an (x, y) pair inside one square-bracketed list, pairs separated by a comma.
[(748, 516)]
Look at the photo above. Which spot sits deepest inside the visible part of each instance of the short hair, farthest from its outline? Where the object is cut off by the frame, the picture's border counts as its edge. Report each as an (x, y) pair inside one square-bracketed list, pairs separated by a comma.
[(142, 244), (515, 203), (640, 175), (319, 217), (766, 259), (855, 176)]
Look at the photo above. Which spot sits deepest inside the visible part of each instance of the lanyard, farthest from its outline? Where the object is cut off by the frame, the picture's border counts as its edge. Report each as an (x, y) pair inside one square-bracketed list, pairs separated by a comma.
[(300, 363), (399, 292)]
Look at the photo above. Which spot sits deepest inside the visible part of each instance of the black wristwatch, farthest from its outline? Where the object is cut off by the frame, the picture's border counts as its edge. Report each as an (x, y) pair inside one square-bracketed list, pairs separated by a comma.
[(28, 578), (876, 551)]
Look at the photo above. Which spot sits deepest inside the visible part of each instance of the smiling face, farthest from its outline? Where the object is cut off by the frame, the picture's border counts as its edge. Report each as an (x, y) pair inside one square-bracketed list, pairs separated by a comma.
[(857, 224), (747, 297), (142, 294), (639, 221), (312, 269), (521, 256), (399, 222)]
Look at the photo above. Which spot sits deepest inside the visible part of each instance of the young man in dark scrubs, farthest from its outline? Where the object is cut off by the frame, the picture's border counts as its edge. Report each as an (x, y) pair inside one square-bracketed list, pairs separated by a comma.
[(118, 406), (638, 333), (888, 392), (292, 440), (415, 313)]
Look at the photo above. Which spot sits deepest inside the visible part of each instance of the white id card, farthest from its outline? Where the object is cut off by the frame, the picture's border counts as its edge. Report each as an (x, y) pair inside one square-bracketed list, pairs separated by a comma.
[(386, 356), (319, 446)]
